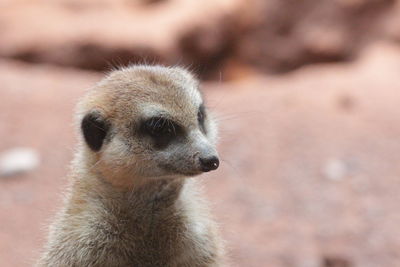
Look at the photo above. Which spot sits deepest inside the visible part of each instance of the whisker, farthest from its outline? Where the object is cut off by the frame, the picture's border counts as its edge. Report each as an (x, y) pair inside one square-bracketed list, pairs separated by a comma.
[(237, 177), (249, 112), (230, 165), (95, 164)]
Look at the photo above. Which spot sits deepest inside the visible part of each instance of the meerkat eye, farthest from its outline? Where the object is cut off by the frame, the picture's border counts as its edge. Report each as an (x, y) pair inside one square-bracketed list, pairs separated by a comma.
[(162, 130), (201, 117), (158, 126)]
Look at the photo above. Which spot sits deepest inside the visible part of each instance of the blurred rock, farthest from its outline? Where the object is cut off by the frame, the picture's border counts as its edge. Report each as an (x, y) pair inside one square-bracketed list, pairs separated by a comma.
[(99, 35), (294, 33), (18, 160), (335, 262), (392, 23)]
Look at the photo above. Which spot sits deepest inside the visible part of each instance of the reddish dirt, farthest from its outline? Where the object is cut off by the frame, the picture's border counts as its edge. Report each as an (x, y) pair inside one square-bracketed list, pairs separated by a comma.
[(276, 195)]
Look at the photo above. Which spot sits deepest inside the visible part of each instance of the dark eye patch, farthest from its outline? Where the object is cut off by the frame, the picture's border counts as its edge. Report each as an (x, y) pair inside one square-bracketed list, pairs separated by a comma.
[(201, 115), (162, 130)]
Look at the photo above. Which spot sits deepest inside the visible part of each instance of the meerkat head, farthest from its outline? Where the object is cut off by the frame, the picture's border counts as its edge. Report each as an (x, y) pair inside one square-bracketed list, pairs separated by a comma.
[(148, 122)]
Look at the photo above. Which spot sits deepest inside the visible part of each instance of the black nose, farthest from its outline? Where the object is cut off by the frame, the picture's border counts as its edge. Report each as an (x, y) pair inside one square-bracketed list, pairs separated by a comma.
[(209, 164)]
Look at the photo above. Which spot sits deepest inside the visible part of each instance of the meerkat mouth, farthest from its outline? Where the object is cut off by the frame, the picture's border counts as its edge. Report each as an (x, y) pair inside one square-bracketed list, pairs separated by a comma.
[(174, 171)]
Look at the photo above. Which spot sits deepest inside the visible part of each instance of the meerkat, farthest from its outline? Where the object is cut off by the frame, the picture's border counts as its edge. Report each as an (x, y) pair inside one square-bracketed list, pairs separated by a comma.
[(143, 131)]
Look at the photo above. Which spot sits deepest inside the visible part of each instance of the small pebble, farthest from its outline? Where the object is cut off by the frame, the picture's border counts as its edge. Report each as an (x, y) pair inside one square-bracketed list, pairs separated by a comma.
[(18, 160), (335, 169)]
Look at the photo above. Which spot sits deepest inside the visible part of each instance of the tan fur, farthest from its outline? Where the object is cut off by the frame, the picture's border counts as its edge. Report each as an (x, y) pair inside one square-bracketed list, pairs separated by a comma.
[(116, 213)]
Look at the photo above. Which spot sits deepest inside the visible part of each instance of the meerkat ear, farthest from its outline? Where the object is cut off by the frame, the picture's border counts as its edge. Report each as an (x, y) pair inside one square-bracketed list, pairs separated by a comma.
[(94, 129)]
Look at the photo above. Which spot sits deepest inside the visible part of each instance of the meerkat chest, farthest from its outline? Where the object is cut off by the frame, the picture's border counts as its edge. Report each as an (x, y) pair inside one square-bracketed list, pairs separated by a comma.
[(156, 238)]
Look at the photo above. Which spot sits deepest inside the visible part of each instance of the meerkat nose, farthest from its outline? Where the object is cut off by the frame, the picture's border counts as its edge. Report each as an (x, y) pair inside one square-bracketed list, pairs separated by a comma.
[(209, 164)]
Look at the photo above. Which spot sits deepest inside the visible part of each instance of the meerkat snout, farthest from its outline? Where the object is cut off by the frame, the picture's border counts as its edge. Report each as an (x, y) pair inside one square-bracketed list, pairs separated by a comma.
[(149, 122), (206, 156)]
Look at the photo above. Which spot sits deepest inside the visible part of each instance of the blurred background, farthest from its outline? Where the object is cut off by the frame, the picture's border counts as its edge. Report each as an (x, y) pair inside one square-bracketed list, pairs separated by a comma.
[(306, 93)]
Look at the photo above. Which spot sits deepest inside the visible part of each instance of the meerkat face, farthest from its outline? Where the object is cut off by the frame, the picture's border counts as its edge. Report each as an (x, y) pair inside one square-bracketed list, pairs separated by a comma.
[(148, 122)]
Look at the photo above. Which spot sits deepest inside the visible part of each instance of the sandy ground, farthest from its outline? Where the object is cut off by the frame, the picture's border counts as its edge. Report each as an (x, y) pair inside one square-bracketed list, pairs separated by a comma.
[(309, 173)]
